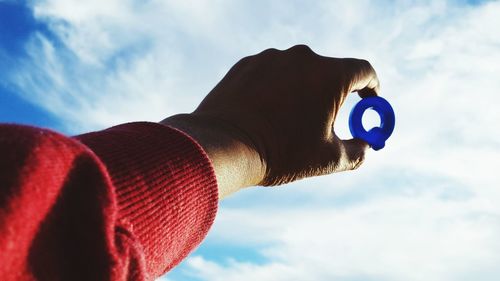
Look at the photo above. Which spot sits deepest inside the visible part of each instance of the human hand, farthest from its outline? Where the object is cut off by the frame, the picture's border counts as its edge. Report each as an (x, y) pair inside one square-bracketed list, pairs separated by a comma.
[(282, 105)]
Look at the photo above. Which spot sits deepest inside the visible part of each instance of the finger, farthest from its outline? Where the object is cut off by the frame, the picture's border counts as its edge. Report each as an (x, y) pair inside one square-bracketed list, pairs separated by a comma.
[(361, 77), (352, 154)]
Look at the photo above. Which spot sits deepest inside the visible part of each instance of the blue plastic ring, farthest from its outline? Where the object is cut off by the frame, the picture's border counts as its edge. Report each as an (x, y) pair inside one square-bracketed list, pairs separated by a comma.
[(376, 136)]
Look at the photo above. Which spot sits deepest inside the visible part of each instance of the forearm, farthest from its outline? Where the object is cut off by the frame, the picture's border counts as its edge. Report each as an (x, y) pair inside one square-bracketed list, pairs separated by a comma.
[(236, 164)]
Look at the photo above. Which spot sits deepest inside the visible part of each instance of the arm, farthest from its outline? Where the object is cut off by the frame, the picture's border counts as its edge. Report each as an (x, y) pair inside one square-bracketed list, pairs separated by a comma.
[(130, 202), (236, 164), (129, 209), (270, 120)]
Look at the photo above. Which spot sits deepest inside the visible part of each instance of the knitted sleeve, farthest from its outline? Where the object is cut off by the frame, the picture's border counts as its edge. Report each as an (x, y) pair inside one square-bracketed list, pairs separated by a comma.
[(126, 203)]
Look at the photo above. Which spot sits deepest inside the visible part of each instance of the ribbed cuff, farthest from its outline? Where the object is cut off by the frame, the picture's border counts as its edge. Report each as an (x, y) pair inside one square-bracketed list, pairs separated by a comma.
[(165, 185)]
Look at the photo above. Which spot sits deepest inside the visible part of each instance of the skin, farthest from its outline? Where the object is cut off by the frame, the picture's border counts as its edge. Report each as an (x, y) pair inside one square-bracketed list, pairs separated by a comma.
[(270, 120)]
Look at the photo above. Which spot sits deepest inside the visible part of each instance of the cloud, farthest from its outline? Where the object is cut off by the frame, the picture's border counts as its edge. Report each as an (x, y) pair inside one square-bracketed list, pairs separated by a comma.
[(424, 208), (390, 238)]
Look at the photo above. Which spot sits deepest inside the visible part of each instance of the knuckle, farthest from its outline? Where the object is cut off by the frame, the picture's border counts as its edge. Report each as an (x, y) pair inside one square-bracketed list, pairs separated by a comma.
[(266, 52), (364, 62), (269, 51), (244, 60), (241, 64), (367, 66), (358, 162), (301, 49), (354, 64)]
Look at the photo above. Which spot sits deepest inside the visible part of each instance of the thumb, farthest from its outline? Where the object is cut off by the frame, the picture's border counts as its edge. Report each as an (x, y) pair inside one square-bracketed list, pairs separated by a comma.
[(352, 154)]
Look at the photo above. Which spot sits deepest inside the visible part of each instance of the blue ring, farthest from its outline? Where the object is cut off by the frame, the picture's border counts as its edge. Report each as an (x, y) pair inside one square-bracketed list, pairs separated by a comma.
[(376, 136)]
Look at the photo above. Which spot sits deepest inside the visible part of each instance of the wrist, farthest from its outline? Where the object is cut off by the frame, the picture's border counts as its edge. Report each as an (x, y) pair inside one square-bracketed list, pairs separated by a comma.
[(236, 164)]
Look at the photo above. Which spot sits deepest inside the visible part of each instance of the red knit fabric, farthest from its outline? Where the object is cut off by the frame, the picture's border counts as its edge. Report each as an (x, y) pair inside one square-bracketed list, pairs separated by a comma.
[(126, 203)]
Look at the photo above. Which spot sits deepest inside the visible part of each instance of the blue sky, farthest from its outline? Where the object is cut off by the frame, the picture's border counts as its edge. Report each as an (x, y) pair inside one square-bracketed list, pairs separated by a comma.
[(423, 208), (16, 25)]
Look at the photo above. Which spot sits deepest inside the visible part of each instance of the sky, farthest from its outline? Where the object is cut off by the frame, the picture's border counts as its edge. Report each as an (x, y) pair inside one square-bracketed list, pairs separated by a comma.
[(423, 208)]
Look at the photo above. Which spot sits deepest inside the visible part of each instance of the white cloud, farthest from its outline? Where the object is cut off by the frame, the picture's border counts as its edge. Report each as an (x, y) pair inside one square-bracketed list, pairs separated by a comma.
[(424, 208), (393, 238)]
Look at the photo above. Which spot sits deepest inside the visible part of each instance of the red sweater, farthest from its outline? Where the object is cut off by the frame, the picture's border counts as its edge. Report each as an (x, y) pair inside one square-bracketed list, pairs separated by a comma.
[(126, 203)]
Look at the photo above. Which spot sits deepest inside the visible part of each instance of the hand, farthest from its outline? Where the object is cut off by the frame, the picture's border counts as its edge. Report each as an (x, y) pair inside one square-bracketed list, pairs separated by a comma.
[(280, 107)]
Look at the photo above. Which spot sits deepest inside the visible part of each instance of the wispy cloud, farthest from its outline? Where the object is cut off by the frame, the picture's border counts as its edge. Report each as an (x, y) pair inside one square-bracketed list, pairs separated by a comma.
[(424, 208)]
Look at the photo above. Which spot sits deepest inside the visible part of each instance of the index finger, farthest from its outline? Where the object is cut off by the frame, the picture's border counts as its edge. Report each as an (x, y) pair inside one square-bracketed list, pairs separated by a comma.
[(361, 77)]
